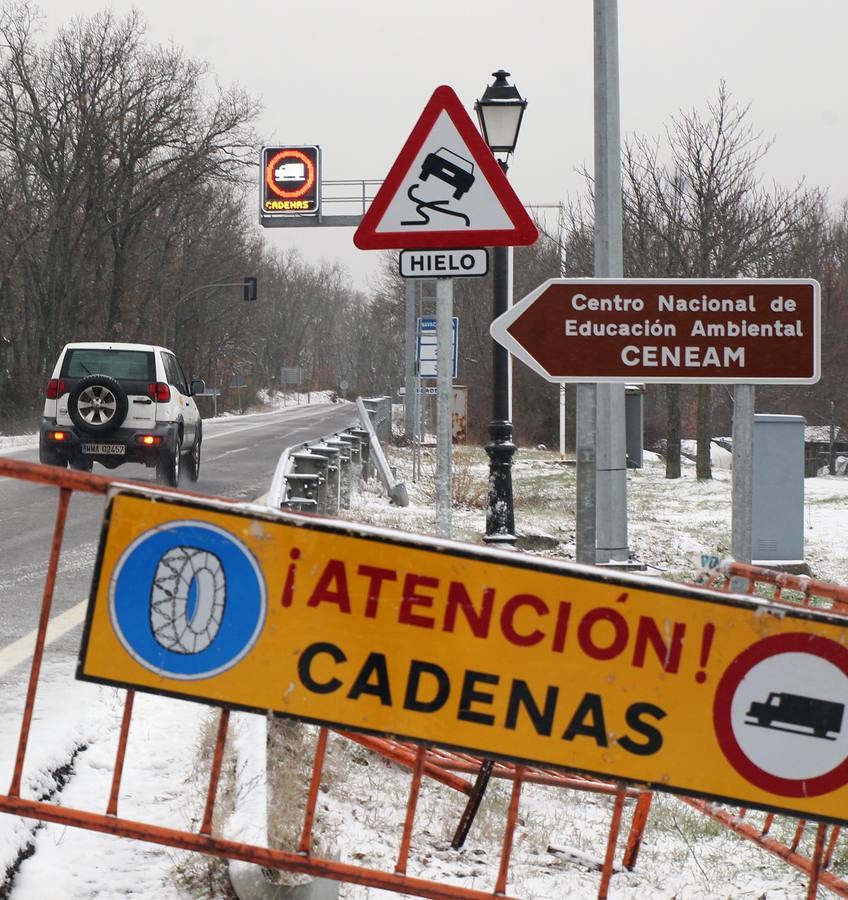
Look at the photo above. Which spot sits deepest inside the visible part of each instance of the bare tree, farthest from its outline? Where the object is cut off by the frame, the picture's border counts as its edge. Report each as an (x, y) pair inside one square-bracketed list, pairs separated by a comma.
[(705, 213), (98, 133), (695, 206)]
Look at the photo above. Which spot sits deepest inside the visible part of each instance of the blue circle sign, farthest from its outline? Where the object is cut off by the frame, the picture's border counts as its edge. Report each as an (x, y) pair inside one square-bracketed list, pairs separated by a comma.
[(187, 600)]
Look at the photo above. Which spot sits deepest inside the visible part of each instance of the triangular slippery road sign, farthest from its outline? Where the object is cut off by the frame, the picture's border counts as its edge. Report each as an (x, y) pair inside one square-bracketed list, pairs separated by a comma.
[(445, 190)]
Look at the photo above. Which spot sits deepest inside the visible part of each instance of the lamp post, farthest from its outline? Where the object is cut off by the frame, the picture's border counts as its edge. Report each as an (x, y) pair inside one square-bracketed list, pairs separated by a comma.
[(500, 111)]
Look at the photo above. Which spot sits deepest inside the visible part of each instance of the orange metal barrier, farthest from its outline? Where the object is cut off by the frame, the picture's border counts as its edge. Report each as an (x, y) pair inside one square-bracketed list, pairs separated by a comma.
[(457, 771), (454, 770), (780, 587)]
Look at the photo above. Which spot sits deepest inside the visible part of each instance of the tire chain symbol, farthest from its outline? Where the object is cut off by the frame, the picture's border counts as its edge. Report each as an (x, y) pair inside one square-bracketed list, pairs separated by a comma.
[(187, 599)]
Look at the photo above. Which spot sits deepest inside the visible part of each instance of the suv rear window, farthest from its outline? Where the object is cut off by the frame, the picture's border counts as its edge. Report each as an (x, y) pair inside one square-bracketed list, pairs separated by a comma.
[(128, 365)]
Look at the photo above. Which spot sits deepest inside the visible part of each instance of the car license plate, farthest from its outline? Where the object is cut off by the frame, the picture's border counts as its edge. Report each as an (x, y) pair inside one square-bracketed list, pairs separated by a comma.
[(105, 449)]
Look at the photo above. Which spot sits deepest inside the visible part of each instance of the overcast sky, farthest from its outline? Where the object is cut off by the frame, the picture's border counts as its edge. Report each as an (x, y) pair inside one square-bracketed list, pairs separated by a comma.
[(353, 77)]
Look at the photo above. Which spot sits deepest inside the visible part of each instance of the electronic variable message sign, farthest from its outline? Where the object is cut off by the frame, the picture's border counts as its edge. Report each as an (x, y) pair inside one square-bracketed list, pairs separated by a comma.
[(682, 688), (291, 181)]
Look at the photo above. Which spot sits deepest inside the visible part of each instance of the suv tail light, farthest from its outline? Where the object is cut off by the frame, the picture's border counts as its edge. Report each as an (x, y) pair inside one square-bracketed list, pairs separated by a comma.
[(160, 392), (55, 388)]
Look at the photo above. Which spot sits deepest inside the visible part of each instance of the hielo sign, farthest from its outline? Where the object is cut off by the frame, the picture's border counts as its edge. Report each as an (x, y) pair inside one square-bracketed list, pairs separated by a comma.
[(672, 331), (443, 263)]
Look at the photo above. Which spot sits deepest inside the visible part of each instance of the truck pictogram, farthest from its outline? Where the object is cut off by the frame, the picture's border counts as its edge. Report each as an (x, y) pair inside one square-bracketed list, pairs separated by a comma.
[(292, 171), (820, 716)]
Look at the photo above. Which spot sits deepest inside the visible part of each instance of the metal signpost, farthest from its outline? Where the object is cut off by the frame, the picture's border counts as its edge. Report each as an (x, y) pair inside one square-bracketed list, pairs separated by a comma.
[(238, 382), (445, 192), (602, 485), (291, 376), (683, 689)]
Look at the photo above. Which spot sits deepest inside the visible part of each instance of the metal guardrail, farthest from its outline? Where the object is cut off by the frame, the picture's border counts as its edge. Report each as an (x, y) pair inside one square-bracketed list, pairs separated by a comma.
[(319, 476)]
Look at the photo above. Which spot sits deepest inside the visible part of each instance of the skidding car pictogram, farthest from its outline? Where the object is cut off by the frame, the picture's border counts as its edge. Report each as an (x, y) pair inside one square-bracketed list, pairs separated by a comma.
[(451, 168)]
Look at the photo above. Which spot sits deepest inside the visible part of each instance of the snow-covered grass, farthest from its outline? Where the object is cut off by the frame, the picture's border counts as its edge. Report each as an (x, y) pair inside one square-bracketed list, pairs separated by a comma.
[(286, 399), (670, 522), (17, 442)]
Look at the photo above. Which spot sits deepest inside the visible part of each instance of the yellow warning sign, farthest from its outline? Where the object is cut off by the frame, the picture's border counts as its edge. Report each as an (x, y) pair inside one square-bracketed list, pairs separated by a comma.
[(507, 655)]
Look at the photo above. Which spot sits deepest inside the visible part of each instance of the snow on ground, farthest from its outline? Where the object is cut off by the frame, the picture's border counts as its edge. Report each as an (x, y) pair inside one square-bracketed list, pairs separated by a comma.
[(17, 442), (362, 803)]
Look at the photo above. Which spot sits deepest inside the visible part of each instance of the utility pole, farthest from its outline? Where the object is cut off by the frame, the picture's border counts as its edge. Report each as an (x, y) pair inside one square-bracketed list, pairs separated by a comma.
[(610, 453)]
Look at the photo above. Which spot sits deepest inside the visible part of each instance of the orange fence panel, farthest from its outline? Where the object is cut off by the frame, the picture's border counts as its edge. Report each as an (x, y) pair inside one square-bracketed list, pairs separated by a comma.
[(811, 849)]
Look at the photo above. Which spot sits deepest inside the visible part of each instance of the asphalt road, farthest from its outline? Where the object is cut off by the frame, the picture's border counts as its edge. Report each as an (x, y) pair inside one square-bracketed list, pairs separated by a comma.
[(238, 461)]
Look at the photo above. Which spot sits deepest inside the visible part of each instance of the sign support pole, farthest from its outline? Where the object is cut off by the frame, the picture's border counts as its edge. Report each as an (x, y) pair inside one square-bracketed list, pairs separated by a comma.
[(562, 421), (587, 421), (742, 490), (444, 383), (610, 453), (500, 513), (410, 381)]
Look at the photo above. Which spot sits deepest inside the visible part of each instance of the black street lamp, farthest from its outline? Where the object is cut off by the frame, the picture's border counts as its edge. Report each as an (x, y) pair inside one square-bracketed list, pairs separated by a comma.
[(500, 111)]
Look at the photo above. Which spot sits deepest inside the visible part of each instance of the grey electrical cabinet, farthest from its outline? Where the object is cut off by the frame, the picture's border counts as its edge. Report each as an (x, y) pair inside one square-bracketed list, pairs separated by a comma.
[(777, 501), (634, 429)]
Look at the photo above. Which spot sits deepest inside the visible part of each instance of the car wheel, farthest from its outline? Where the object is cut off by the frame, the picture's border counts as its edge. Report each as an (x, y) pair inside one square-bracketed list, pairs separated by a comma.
[(98, 404), (168, 467), (191, 462)]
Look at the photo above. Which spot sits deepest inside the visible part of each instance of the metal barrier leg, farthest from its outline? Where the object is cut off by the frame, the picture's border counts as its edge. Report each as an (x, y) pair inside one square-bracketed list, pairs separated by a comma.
[(215, 773), (831, 846), (473, 803), (411, 805), (305, 845), (612, 840), (637, 829), (816, 863), (120, 755), (509, 832), (44, 618)]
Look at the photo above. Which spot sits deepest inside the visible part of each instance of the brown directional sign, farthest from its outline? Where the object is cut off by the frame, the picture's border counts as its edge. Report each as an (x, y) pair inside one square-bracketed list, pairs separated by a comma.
[(674, 331)]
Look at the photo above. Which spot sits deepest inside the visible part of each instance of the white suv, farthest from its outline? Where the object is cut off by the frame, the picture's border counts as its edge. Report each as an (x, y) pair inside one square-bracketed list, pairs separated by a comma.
[(117, 403)]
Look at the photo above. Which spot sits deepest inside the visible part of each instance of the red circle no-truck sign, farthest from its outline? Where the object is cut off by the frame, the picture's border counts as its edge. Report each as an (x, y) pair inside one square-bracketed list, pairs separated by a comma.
[(303, 179), (779, 715)]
